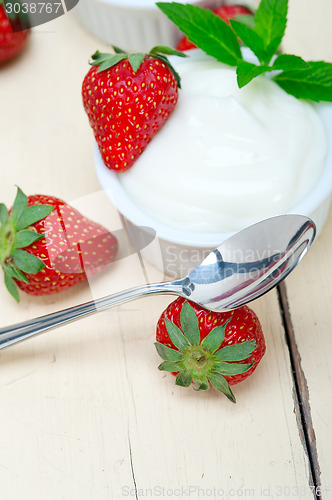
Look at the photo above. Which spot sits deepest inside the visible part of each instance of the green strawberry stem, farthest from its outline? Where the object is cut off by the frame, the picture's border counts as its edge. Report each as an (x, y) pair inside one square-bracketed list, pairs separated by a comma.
[(17, 232), (203, 362), (106, 60)]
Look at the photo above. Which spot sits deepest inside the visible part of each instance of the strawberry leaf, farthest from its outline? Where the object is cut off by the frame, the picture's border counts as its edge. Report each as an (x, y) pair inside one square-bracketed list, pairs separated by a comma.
[(167, 51), (232, 368), (170, 366), (19, 205), (189, 324), (236, 352), (247, 71), (135, 60), (215, 338), (27, 262), (11, 287), (24, 238), (203, 384), (220, 383), (32, 214), (176, 336), (183, 378), (167, 353), (206, 30), (14, 272), (3, 213)]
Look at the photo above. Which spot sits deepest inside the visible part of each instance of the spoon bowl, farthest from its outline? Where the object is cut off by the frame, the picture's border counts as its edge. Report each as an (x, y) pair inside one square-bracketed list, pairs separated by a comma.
[(241, 269)]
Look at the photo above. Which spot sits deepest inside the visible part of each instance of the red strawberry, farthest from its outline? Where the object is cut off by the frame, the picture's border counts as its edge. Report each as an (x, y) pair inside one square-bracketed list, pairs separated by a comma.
[(226, 12), (209, 348), (13, 36), (127, 99), (61, 246)]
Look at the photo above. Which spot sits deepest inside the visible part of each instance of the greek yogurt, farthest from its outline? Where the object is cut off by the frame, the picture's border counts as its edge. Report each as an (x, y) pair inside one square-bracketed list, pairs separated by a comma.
[(227, 157)]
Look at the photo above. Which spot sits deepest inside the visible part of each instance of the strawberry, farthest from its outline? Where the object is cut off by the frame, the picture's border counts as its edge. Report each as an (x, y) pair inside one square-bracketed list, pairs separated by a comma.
[(13, 32), (128, 97), (226, 12), (47, 246), (209, 348)]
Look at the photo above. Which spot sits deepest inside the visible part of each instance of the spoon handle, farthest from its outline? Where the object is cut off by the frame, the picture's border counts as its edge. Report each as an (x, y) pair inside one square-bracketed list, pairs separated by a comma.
[(21, 331)]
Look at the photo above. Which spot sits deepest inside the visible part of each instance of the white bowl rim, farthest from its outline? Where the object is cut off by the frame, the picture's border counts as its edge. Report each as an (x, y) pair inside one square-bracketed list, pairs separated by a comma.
[(110, 183)]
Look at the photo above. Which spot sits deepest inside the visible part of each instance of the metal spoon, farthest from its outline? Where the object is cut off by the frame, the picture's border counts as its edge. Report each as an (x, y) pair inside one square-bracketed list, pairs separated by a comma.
[(242, 268)]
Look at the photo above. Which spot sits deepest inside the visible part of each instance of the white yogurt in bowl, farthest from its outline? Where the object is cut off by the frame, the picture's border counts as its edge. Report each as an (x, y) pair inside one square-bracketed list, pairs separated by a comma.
[(226, 158)]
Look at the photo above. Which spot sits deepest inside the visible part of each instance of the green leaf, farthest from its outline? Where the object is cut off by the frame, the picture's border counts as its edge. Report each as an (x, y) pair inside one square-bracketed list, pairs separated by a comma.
[(247, 71), (170, 366), (14, 272), (32, 214), (117, 50), (221, 384), (19, 205), (167, 353), (135, 60), (232, 368), (270, 24), (11, 287), (246, 19), (215, 338), (106, 63), (25, 237), (189, 324), (176, 336), (3, 213), (250, 38), (168, 51), (27, 262), (203, 384), (183, 379), (236, 352), (206, 30), (314, 82), (289, 62)]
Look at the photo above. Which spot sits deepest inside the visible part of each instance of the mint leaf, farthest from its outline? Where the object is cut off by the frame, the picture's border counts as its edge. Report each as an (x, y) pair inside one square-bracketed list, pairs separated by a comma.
[(246, 19), (289, 62), (250, 38), (314, 82), (248, 71), (270, 24), (205, 29)]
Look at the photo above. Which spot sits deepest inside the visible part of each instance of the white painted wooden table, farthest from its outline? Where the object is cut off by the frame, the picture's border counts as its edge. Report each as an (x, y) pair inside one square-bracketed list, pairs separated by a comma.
[(85, 414)]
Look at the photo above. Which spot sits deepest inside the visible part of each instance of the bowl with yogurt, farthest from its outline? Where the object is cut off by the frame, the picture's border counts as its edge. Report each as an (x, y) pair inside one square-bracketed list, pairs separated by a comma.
[(133, 25), (226, 158)]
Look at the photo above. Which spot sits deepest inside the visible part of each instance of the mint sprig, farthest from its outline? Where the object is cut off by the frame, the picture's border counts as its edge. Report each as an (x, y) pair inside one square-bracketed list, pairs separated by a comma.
[(263, 35)]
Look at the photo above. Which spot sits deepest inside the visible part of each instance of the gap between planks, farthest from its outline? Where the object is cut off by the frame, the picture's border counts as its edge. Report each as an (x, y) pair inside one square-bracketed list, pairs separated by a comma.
[(301, 394)]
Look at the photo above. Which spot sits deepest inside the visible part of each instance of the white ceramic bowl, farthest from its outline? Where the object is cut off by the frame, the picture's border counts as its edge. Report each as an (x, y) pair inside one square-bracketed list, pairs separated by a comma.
[(133, 25), (181, 251)]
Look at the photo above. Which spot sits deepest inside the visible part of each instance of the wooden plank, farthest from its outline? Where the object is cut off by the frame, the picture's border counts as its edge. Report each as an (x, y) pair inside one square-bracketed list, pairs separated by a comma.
[(309, 294)]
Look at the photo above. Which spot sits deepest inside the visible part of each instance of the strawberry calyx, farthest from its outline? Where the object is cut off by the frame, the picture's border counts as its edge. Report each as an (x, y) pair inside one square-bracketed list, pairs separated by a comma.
[(106, 60), (17, 232), (202, 362)]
